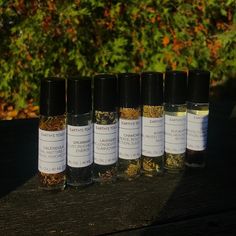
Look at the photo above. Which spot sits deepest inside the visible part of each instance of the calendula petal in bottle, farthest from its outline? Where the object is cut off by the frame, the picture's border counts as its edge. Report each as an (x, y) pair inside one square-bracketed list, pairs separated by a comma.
[(52, 135)]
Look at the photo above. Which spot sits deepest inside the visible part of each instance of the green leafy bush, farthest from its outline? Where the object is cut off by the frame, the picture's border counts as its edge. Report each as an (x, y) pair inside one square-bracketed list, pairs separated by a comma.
[(59, 38)]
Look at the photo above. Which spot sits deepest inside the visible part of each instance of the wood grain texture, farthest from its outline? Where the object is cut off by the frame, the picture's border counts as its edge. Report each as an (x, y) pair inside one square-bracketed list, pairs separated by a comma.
[(162, 204), (215, 225)]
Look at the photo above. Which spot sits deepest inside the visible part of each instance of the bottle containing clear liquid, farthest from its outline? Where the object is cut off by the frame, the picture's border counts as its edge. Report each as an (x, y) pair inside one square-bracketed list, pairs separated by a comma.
[(175, 120), (197, 118)]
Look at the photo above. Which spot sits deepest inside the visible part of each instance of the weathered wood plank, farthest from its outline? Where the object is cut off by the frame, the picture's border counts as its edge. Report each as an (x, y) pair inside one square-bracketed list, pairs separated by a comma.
[(117, 207), (217, 224), (106, 209)]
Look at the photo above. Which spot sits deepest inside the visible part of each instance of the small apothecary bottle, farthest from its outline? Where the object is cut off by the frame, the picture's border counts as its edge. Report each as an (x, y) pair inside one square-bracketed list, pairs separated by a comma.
[(152, 123), (105, 128), (175, 120), (197, 117), (79, 131), (52, 134), (129, 126)]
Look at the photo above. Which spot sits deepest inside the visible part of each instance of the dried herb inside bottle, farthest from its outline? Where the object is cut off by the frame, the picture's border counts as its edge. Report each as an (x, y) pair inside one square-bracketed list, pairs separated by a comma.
[(153, 153), (52, 135), (129, 126), (105, 129), (175, 120), (152, 123), (174, 161)]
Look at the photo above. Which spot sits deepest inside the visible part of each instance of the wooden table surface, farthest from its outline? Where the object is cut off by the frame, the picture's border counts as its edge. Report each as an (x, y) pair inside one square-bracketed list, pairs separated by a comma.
[(193, 203)]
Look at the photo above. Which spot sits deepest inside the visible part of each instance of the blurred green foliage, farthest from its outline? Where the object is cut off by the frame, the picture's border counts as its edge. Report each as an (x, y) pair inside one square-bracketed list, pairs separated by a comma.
[(61, 38)]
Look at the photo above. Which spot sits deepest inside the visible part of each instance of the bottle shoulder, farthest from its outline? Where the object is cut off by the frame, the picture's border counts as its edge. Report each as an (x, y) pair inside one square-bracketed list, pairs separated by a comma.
[(198, 108), (175, 109)]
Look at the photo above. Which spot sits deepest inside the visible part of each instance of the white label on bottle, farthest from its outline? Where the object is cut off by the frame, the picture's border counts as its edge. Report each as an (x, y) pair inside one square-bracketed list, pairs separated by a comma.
[(129, 139), (153, 136), (52, 151), (197, 132), (105, 144), (79, 145), (175, 134)]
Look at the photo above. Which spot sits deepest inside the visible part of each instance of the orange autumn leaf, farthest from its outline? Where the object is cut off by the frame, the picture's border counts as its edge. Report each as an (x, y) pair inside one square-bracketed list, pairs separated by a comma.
[(77, 2), (214, 47), (51, 5), (106, 12), (19, 63), (136, 69), (151, 10), (153, 20), (10, 108), (70, 30), (165, 41), (174, 65), (28, 57), (141, 49), (200, 28), (12, 113), (177, 46), (141, 64)]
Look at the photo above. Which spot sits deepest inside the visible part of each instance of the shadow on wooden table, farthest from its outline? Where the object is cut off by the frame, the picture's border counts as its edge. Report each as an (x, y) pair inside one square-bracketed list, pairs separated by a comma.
[(204, 201), (18, 153)]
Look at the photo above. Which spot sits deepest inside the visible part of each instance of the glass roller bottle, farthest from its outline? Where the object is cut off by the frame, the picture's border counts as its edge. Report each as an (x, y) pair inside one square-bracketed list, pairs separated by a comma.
[(197, 118), (105, 128), (79, 131), (52, 134), (152, 123), (175, 120), (129, 126)]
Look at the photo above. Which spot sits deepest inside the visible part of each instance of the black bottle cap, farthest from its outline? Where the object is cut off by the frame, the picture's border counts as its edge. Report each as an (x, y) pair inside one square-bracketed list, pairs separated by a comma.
[(198, 86), (105, 92), (152, 88), (79, 95), (129, 90), (175, 87), (52, 96)]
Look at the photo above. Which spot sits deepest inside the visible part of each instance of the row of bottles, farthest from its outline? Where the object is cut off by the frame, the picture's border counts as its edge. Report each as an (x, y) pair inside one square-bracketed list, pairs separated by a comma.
[(132, 128)]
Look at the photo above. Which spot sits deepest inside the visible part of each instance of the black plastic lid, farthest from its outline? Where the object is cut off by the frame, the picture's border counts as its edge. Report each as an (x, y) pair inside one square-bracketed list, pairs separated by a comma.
[(175, 87), (129, 90), (152, 88), (198, 86), (105, 92), (52, 96), (79, 95)]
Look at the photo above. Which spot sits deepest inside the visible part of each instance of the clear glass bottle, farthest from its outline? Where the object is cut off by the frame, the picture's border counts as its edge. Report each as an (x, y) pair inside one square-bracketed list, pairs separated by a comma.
[(52, 135), (79, 131), (129, 126), (152, 123), (105, 129), (175, 110), (197, 118)]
